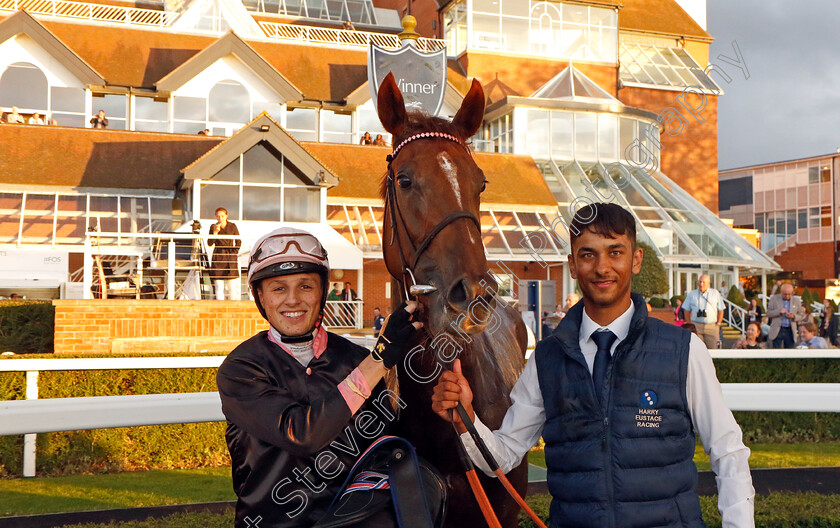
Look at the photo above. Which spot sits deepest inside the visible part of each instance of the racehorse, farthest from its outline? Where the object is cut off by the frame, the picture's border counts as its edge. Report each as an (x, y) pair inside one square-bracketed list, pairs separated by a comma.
[(432, 236)]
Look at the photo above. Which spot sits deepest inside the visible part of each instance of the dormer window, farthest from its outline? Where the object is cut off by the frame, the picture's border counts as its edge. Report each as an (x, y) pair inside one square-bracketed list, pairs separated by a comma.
[(538, 28), (261, 185)]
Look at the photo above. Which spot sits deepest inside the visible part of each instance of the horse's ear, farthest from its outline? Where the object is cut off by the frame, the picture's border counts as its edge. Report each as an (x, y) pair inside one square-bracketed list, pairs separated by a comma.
[(390, 106), (471, 113)]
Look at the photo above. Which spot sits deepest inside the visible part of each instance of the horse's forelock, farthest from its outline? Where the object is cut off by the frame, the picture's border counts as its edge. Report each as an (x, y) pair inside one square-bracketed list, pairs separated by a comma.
[(419, 122)]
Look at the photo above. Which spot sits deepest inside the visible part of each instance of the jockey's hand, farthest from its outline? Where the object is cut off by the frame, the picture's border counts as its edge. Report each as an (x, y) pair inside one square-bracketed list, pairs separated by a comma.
[(451, 388), (396, 332)]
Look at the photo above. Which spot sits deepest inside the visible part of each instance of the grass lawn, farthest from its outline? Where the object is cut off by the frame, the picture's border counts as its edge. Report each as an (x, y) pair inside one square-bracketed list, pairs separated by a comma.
[(114, 490), (779, 510), (161, 487), (824, 454)]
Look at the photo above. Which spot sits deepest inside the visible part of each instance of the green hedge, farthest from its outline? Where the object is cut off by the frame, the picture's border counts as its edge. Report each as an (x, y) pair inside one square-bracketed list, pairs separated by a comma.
[(782, 427), (27, 327), (128, 448)]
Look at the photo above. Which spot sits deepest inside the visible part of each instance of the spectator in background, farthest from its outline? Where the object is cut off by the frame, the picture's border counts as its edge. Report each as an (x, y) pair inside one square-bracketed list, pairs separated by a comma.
[(754, 311), (205, 132), (14, 297), (379, 141), (829, 324), (349, 294), (36, 119), (704, 307), (775, 288), (366, 140), (807, 332), (53, 122), (378, 319), (751, 340), (571, 300), (724, 291), (14, 117), (809, 317), (348, 25), (224, 267), (335, 293), (99, 120), (679, 314), (786, 310)]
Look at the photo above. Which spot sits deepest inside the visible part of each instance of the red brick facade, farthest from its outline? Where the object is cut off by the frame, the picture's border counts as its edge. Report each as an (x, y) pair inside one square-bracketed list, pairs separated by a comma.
[(689, 157), (815, 261), (91, 326)]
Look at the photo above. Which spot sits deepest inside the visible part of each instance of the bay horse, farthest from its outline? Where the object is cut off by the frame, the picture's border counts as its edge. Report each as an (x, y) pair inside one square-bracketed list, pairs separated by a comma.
[(432, 236)]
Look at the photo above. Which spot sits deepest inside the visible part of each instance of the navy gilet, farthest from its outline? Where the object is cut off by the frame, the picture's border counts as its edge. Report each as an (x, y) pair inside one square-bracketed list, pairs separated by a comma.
[(628, 462)]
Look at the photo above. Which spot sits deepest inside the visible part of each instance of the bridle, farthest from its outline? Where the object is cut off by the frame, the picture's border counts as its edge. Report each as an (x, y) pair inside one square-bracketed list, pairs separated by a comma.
[(397, 219)]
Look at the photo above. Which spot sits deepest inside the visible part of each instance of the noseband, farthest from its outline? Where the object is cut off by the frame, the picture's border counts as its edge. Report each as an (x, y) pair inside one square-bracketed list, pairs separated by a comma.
[(396, 213)]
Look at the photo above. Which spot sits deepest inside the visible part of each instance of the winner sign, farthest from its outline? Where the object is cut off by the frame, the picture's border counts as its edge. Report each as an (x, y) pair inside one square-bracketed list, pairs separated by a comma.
[(421, 77)]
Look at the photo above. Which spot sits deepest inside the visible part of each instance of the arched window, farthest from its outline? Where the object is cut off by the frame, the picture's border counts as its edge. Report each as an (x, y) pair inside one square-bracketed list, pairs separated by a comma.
[(229, 103), (24, 85)]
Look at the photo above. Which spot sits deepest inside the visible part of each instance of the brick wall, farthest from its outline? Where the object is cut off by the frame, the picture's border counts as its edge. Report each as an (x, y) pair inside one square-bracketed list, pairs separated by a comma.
[(689, 158), (90, 326), (815, 261)]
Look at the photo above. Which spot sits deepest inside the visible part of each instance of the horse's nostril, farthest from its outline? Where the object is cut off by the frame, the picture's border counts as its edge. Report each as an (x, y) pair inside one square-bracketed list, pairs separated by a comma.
[(459, 294)]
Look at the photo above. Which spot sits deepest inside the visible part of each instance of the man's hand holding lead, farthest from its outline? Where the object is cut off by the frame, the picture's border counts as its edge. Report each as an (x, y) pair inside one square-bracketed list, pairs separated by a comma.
[(452, 387)]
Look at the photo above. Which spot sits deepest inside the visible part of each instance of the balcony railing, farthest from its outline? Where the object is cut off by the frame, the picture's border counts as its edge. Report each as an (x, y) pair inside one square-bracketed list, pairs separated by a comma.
[(97, 12), (341, 37)]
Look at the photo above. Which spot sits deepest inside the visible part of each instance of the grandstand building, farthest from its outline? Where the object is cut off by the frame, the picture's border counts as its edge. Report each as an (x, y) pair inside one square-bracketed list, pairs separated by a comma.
[(587, 101)]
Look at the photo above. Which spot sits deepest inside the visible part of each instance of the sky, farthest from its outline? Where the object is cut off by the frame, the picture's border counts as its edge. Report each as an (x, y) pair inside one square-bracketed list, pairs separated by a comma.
[(790, 106)]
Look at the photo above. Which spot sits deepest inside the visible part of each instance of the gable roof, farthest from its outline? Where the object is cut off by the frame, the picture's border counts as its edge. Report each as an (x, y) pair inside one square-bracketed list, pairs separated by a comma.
[(225, 152), (90, 158), (571, 85), (513, 179), (664, 17), (229, 44), (23, 22), (141, 57)]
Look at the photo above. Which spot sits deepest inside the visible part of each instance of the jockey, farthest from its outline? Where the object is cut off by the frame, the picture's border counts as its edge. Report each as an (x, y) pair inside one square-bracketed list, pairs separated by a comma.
[(301, 403)]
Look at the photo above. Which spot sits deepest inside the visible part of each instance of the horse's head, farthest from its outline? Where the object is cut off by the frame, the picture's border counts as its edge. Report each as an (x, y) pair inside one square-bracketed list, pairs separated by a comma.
[(432, 194)]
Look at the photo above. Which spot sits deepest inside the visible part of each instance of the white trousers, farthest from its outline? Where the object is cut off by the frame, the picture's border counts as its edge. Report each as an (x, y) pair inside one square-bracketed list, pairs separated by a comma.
[(228, 289)]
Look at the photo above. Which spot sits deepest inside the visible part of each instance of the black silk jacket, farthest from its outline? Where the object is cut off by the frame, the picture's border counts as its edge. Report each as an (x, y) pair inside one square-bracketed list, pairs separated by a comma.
[(291, 437)]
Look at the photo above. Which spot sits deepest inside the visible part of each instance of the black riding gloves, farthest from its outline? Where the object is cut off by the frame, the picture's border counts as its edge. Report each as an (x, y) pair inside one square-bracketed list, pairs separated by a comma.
[(393, 339)]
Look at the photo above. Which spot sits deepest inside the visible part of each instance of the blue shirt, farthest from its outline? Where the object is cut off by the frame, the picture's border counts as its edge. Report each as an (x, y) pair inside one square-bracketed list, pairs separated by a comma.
[(710, 301), (785, 318)]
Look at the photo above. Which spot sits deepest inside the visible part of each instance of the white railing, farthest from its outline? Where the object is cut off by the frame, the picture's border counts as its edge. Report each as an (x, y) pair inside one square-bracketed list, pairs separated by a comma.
[(344, 314), (735, 316), (342, 37), (162, 250), (98, 12), (32, 416)]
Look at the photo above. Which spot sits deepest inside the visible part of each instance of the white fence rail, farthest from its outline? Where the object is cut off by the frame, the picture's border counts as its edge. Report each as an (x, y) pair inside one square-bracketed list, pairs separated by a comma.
[(32, 416), (98, 12), (342, 37)]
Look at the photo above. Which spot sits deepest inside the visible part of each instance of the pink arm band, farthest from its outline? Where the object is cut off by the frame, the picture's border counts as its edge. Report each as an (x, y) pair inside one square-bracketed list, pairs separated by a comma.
[(353, 399)]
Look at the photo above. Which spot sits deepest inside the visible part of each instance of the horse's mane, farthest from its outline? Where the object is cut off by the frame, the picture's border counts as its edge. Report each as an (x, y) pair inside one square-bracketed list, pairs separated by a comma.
[(417, 122)]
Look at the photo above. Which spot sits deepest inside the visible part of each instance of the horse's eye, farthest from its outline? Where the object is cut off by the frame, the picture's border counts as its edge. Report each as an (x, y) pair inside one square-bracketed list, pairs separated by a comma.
[(483, 186), (404, 182)]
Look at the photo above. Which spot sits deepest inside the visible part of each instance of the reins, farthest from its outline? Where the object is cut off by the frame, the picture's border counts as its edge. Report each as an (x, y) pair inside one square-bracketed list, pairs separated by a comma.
[(397, 221)]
